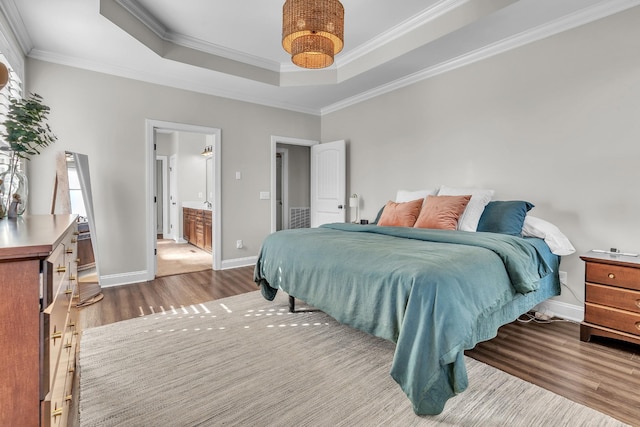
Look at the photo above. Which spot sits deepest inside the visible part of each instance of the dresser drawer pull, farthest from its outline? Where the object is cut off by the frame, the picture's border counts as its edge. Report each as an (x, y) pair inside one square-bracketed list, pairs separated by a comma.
[(56, 413), (69, 251), (61, 269), (612, 276), (68, 398), (76, 233), (68, 291), (77, 260), (67, 345), (56, 335), (72, 370), (72, 278), (74, 240)]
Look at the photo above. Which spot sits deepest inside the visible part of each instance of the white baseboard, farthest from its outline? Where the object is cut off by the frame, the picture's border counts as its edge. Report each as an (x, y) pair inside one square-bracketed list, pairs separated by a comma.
[(561, 309), (141, 276), (238, 262), (123, 278)]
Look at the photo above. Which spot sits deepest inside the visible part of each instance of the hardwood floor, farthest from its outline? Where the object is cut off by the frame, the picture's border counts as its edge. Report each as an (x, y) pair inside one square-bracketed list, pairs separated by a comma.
[(130, 301), (602, 374)]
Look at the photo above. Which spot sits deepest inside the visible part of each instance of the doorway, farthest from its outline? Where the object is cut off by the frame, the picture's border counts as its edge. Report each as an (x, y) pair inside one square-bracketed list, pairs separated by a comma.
[(212, 136), (290, 158)]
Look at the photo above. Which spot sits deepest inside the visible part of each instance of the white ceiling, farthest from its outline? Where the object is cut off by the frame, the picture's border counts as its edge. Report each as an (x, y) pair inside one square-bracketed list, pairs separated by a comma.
[(232, 48)]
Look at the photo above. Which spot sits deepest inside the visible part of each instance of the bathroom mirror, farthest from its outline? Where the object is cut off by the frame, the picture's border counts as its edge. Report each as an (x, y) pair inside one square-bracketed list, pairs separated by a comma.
[(81, 201)]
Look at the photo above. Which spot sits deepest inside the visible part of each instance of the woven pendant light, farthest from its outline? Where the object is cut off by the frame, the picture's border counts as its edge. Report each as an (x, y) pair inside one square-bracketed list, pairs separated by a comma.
[(312, 31)]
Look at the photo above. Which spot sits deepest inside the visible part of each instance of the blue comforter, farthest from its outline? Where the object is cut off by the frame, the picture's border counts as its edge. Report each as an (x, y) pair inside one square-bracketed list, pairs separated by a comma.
[(434, 293)]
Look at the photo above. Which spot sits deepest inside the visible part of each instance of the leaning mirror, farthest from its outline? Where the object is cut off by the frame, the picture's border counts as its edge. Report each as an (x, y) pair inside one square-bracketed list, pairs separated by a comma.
[(81, 201)]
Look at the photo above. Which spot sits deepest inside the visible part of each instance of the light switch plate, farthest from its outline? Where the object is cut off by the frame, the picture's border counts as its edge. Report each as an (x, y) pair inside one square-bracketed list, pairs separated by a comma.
[(264, 195)]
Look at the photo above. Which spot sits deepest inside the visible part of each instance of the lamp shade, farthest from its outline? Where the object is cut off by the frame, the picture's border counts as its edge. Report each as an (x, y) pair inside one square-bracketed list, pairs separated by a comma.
[(4, 75), (354, 201), (312, 31)]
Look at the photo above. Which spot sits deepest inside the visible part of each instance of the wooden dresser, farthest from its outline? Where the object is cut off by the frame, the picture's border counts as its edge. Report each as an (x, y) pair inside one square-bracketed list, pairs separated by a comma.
[(612, 297), (38, 333)]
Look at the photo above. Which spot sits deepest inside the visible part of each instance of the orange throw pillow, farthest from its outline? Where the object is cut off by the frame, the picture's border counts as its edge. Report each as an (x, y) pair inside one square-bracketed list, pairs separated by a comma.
[(400, 214), (442, 212)]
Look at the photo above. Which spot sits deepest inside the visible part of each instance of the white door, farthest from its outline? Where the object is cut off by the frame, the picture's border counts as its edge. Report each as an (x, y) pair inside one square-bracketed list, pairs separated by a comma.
[(328, 183), (174, 215)]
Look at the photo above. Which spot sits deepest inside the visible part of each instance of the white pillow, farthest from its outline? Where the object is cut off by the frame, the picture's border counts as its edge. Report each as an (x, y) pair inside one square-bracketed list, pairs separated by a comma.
[(403, 196), (553, 237), (469, 219)]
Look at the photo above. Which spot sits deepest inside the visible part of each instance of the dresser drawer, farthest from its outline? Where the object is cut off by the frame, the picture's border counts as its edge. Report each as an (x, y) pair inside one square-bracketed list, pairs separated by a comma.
[(58, 268), (55, 410), (614, 318), (624, 277), (623, 299), (59, 318)]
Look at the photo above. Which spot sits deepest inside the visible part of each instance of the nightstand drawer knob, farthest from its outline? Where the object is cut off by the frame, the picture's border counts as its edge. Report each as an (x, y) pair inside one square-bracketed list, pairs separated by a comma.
[(612, 276), (638, 303), (638, 325)]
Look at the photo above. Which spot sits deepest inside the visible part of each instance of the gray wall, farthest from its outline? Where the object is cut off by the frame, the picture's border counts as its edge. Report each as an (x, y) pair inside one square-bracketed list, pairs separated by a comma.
[(104, 116), (556, 123)]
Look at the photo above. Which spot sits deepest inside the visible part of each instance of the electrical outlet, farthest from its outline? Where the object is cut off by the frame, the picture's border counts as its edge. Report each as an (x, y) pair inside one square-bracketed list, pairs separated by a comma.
[(239, 244), (563, 277)]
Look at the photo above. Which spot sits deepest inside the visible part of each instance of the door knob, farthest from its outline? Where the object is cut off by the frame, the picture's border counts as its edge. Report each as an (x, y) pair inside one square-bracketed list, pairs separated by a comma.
[(340, 207)]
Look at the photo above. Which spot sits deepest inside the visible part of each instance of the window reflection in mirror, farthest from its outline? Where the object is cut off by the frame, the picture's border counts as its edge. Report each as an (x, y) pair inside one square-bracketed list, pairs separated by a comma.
[(81, 200), (75, 191)]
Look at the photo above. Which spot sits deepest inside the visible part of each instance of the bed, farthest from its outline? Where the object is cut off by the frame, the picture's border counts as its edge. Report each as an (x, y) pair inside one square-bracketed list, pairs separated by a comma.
[(435, 293)]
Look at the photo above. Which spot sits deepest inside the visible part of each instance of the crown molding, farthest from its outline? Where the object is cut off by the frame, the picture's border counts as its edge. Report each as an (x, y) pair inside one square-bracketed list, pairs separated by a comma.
[(434, 12), (173, 81), (601, 10), (144, 16), (150, 21), (19, 30), (217, 50)]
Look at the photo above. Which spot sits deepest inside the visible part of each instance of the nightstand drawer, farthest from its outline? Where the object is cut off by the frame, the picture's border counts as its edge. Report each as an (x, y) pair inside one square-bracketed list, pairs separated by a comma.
[(614, 318), (623, 299), (615, 275)]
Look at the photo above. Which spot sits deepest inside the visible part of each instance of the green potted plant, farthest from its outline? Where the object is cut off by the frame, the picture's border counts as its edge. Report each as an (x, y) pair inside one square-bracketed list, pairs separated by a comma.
[(25, 133)]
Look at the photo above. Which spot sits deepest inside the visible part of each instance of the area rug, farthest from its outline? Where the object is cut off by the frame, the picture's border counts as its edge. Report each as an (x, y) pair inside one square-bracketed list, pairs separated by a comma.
[(180, 258), (249, 362)]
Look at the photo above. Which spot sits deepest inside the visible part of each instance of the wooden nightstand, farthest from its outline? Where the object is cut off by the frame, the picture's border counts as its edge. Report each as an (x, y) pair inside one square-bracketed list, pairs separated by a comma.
[(612, 297)]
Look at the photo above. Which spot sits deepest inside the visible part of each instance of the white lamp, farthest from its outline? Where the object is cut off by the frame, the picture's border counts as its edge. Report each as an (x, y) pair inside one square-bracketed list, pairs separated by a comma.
[(354, 202)]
